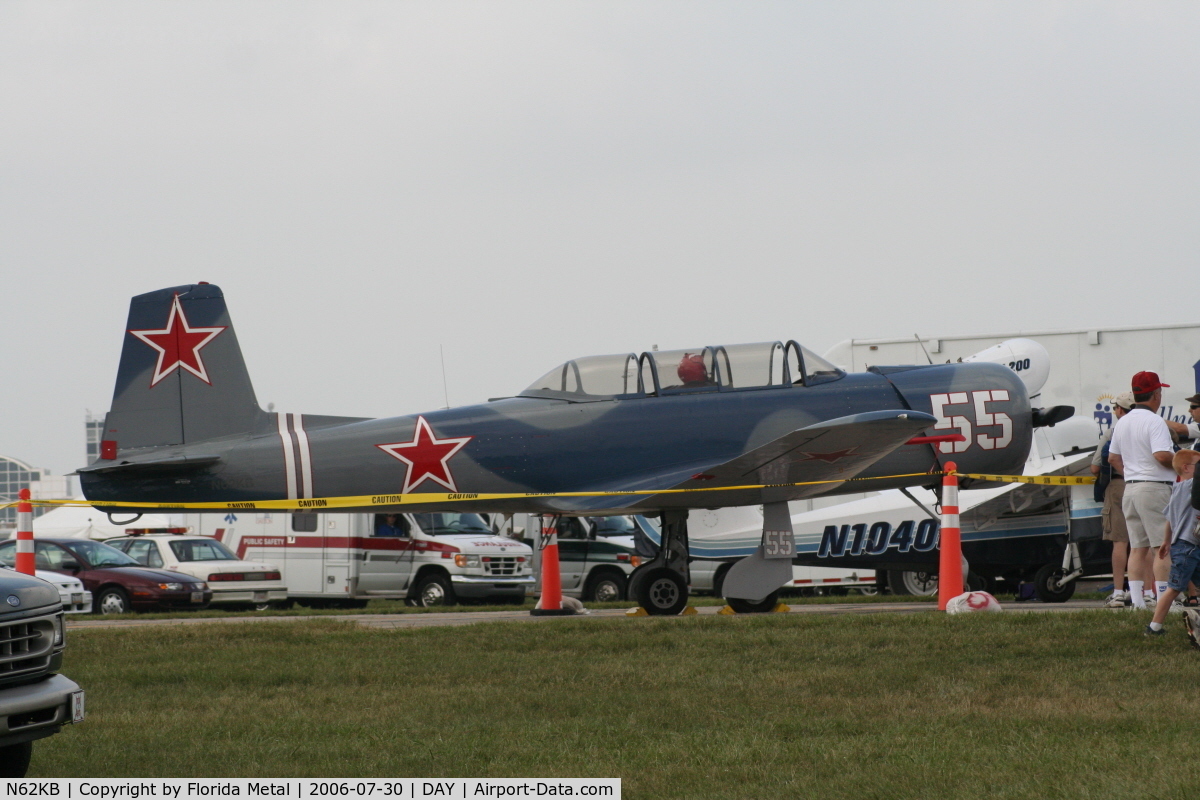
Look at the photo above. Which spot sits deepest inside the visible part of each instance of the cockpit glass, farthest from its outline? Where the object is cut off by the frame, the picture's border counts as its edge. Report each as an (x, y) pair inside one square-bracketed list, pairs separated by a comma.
[(685, 369), (816, 369), (594, 376), (745, 365), (819, 370)]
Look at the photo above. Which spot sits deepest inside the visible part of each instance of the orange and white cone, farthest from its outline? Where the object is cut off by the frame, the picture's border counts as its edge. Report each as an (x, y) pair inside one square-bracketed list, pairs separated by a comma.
[(25, 557), (551, 602), (950, 571)]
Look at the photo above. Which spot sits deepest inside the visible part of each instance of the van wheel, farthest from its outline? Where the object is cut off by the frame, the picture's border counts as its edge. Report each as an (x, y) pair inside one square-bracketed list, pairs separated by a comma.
[(14, 760), (435, 590), (112, 600), (606, 587)]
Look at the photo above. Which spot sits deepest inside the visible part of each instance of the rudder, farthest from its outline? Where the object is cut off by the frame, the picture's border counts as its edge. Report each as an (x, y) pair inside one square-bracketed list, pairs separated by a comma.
[(182, 378)]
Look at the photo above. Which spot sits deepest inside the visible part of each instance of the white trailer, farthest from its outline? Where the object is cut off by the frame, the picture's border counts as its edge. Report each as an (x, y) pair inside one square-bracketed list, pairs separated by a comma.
[(347, 559), (1087, 367)]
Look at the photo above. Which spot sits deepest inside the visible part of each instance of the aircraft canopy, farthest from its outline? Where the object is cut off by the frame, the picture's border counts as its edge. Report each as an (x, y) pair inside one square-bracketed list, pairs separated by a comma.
[(722, 368)]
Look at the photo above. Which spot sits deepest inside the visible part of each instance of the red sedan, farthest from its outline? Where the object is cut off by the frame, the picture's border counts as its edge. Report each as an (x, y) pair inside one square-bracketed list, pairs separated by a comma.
[(118, 583)]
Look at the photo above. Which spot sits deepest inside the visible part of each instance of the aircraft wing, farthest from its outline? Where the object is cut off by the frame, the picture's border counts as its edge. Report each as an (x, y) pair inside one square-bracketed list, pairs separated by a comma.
[(834, 450)]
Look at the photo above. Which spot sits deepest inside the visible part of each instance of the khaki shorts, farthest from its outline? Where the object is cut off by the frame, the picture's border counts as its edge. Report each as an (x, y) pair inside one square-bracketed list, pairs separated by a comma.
[(1144, 504), (1112, 515)]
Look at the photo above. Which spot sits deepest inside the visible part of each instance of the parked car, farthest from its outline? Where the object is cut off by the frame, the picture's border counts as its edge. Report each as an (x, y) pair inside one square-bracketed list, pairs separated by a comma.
[(118, 583), (35, 701), (75, 599), (232, 580)]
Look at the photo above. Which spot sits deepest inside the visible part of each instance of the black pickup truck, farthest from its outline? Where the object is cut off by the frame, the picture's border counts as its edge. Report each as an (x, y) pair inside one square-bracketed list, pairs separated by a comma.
[(35, 701)]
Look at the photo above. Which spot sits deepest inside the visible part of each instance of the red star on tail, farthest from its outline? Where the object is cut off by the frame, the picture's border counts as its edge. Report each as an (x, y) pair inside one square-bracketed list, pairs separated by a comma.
[(178, 345), (426, 456)]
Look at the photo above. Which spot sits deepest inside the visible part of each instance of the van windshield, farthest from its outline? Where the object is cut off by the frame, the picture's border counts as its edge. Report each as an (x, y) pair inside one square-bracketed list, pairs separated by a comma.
[(443, 524)]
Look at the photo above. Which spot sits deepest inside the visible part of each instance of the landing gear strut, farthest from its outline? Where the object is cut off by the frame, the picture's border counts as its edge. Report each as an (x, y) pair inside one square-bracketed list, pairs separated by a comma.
[(661, 584)]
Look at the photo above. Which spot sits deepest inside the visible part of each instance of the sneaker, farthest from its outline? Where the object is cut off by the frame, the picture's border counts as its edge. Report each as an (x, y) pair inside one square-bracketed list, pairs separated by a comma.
[(1151, 632), (1176, 608), (1191, 621), (1115, 600), (1151, 600)]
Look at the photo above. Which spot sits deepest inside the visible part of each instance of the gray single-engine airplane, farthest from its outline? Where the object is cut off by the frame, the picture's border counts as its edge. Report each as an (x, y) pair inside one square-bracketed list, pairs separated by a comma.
[(185, 427)]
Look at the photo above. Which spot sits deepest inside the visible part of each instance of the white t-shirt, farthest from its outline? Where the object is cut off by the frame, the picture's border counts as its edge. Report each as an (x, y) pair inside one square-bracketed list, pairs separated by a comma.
[(1137, 436)]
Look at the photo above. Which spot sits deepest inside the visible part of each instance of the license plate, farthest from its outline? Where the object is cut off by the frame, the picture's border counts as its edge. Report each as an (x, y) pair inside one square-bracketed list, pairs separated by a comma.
[(197, 597), (77, 597), (77, 712), (260, 597)]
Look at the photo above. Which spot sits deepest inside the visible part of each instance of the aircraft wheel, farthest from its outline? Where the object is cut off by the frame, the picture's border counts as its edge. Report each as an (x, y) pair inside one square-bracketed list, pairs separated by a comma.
[(1043, 585), (719, 580), (663, 592), (14, 760), (435, 590), (768, 603), (112, 600), (917, 584)]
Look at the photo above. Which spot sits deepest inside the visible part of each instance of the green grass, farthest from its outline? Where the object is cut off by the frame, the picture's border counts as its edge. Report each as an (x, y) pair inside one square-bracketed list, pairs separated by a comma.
[(898, 706), (398, 607)]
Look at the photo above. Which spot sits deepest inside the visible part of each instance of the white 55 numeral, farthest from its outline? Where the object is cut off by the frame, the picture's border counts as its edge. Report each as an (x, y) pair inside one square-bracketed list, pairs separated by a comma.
[(939, 401), (983, 417)]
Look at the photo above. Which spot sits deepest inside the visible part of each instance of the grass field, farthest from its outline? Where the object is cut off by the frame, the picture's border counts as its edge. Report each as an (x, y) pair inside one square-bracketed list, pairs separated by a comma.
[(906, 706)]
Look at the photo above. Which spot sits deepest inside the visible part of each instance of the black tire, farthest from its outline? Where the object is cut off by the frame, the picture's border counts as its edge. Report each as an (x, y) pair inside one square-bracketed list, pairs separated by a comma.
[(768, 603), (977, 583), (112, 600), (14, 760), (435, 590), (662, 592), (719, 579), (1043, 585), (912, 584), (604, 586)]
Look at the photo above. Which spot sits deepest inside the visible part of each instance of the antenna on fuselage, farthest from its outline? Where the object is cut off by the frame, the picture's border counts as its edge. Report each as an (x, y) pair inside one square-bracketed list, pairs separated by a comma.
[(917, 336)]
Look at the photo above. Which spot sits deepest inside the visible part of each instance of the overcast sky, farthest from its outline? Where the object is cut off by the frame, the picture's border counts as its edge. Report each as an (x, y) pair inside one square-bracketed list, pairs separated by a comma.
[(522, 183)]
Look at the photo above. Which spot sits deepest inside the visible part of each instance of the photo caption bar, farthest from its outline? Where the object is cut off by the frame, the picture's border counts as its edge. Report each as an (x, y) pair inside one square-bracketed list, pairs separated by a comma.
[(298, 789)]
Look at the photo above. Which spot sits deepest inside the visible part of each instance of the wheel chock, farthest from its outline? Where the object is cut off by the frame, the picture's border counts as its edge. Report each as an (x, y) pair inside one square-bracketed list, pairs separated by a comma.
[(727, 611), (781, 609), (687, 612), (637, 611)]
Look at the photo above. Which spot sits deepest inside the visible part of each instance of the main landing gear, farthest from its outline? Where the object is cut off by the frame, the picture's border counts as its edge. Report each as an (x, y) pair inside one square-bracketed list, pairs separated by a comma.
[(661, 584)]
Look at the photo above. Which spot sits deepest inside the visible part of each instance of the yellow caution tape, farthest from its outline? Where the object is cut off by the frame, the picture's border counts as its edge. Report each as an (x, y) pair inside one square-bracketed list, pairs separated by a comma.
[(1041, 480), (371, 500)]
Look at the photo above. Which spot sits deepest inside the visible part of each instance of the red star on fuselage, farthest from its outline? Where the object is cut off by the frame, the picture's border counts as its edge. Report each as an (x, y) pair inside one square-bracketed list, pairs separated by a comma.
[(178, 345), (828, 458), (426, 456)]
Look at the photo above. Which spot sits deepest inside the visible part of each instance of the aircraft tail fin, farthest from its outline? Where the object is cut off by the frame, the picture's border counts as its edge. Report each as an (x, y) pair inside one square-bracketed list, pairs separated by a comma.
[(182, 378)]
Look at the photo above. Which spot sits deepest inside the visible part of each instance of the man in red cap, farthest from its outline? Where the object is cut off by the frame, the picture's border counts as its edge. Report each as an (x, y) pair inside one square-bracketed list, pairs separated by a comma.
[(1142, 451)]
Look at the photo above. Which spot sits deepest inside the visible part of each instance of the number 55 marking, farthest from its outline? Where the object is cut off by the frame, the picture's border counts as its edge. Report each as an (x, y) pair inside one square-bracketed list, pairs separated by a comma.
[(983, 418)]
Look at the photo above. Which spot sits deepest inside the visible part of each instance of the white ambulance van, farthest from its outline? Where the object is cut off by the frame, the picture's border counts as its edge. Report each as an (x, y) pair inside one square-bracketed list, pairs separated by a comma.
[(344, 560)]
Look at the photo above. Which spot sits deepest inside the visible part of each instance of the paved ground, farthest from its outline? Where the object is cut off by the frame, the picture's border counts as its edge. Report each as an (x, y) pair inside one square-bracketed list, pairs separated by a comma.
[(473, 617)]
